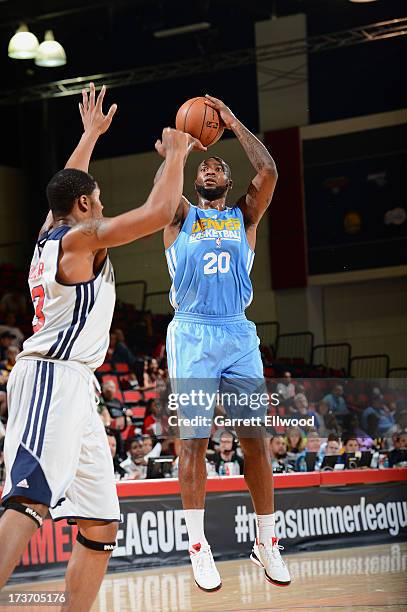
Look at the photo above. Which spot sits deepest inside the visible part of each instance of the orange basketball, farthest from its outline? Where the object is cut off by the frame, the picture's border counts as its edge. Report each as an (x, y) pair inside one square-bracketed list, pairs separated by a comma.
[(200, 120)]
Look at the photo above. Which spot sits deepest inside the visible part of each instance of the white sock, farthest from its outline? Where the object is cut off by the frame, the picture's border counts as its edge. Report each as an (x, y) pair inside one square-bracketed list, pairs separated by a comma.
[(265, 527), (195, 526)]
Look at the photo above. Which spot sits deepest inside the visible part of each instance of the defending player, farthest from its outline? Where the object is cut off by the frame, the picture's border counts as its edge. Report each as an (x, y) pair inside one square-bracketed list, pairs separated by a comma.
[(56, 450), (210, 252)]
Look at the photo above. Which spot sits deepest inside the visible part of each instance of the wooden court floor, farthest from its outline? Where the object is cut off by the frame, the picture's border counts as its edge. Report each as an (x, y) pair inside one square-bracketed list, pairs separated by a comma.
[(370, 578)]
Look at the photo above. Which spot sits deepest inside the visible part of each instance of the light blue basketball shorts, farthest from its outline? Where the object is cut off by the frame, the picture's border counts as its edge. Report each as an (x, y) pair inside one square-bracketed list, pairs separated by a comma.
[(214, 361)]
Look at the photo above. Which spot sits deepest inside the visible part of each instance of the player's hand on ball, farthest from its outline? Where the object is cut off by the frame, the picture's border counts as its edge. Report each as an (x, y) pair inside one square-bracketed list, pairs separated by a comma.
[(175, 139), (91, 112), (228, 118), (195, 145)]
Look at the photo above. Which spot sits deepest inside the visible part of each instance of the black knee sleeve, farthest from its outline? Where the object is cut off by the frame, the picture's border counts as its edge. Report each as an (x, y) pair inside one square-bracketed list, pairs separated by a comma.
[(100, 546), (27, 510)]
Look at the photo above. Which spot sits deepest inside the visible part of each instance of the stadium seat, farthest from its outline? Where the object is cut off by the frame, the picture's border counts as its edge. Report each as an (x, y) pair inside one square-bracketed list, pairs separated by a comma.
[(132, 397), (121, 367), (269, 372), (129, 432), (363, 398), (105, 367), (151, 395), (118, 394), (138, 412)]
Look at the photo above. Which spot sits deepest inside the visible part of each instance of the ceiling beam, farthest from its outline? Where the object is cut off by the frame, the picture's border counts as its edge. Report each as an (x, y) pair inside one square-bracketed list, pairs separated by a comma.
[(217, 62)]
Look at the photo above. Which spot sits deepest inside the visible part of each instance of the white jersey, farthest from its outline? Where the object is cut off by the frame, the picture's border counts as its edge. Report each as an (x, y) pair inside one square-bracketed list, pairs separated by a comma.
[(71, 322)]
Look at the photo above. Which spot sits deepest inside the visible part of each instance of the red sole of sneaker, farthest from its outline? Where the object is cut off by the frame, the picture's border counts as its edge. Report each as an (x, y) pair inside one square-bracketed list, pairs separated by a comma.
[(209, 590), (278, 584)]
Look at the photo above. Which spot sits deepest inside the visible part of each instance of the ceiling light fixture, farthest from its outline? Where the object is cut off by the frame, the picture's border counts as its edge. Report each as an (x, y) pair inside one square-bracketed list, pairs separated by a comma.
[(50, 53), (24, 44), (187, 29), (362, 1)]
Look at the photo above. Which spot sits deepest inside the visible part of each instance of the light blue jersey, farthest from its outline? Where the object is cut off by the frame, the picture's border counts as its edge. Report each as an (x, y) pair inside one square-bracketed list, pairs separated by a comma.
[(211, 346), (210, 263)]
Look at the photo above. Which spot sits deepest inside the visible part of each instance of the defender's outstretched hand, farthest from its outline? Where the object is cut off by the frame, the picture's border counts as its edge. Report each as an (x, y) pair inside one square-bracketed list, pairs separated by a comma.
[(91, 112), (228, 118), (174, 138)]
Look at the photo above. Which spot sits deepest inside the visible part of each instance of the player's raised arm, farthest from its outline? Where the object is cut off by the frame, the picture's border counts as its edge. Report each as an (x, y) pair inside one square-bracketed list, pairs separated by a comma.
[(260, 192), (183, 206), (95, 123), (157, 212)]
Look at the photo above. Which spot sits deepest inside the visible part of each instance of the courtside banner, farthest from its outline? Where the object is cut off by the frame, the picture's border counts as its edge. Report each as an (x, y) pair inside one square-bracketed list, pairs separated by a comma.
[(153, 530)]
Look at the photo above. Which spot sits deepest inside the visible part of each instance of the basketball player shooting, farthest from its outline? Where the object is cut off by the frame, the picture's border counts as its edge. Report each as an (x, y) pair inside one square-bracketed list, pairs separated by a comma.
[(56, 450), (210, 251)]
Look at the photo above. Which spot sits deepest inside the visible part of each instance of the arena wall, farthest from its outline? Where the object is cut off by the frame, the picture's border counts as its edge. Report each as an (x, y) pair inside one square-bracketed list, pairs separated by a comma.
[(12, 206)]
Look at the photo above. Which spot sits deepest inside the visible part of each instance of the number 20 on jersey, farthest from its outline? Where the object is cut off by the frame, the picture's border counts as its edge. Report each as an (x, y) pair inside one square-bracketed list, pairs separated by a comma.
[(217, 262)]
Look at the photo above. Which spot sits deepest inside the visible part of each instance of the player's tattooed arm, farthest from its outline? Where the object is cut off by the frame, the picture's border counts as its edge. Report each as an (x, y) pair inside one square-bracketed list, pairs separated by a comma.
[(257, 153), (260, 192)]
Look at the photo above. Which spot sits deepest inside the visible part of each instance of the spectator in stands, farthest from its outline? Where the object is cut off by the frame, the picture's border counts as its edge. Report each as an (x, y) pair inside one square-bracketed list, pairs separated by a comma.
[(104, 413), (302, 411), (313, 445), (150, 417), (327, 420), (278, 453), (400, 421), (117, 411), (10, 361), (286, 388), (399, 454), (113, 404), (329, 448), (153, 375), (392, 442), (133, 381), (377, 418), (333, 445), (351, 427), (147, 443), (350, 444), (336, 401), (8, 324), (295, 442), (151, 449), (400, 440), (6, 340), (135, 465), (148, 383), (118, 470), (227, 455), (299, 388), (118, 352)]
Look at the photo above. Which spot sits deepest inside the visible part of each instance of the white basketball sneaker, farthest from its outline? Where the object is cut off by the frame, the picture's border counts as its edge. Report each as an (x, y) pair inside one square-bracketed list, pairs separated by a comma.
[(205, 573), (268, 557)]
